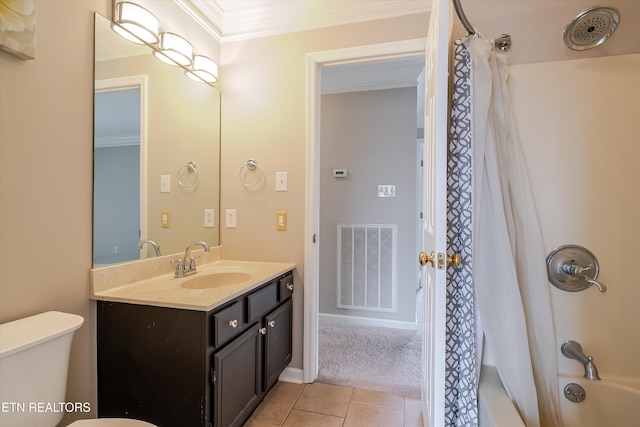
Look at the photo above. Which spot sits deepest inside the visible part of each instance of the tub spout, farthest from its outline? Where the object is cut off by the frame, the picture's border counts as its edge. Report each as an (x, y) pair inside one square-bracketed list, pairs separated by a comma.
[(573, 350), (590, 370)]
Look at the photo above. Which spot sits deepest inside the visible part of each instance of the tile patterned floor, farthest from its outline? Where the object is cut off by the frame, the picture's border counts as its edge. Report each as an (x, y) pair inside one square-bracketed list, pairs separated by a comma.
[(326, 405)]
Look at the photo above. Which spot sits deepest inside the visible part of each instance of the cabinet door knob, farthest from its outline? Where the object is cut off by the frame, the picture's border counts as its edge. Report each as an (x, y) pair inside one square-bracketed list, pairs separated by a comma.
[(290, 286), (233, 323), (263, 331), (272, 323)]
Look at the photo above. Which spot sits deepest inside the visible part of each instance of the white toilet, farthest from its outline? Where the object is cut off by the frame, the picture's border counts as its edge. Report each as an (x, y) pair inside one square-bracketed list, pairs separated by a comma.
[(34, 361)]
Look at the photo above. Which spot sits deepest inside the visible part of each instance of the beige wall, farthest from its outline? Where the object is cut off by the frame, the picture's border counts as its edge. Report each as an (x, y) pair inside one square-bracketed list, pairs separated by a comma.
[(580, 129), (46, 143), (264, 117)]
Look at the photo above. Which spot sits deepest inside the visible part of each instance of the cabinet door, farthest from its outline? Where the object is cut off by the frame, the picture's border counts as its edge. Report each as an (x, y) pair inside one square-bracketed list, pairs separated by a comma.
[(277, 343), (237, 373)]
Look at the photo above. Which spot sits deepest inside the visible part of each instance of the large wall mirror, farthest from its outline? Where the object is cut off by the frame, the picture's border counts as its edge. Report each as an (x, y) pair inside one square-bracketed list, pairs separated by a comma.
[(156, 153)]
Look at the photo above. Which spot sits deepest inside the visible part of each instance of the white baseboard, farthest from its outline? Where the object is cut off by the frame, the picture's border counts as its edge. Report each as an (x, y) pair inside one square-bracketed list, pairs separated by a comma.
[(366, 321), (291, 375)]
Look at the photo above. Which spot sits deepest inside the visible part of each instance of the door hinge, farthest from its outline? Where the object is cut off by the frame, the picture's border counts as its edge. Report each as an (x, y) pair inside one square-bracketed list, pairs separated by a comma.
[(314, 238), (213, 376)]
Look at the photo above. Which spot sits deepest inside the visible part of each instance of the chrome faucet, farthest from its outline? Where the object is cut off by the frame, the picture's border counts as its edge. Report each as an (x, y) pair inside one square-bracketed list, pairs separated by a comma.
[(573, 350), (156, 248), (187, 265)]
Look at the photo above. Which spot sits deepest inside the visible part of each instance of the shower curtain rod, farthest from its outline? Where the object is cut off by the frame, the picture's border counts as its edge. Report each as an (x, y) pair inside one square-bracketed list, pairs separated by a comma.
[(463, 18), (503, 42)]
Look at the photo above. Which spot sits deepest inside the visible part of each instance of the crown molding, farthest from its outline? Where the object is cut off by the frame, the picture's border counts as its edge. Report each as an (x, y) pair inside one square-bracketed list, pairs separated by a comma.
[(231, 20)]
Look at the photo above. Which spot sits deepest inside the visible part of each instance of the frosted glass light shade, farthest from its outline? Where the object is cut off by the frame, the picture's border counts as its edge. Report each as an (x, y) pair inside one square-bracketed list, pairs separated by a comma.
[(174, 50), (203, 69), (137, 21)]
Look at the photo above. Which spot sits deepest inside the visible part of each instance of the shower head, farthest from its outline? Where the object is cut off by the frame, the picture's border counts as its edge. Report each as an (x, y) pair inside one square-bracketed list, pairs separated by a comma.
[(591, 27)]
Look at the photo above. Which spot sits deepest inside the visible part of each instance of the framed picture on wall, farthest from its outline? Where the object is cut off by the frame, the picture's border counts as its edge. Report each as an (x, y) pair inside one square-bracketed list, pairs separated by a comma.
[(18, 27)]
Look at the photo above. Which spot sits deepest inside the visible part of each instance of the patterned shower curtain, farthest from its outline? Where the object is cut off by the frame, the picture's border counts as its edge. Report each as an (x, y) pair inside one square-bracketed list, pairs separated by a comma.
[(494, 226), (464, 334)]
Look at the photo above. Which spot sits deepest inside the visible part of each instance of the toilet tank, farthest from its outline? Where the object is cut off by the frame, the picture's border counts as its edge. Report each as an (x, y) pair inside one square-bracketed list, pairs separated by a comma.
[(34, 361)]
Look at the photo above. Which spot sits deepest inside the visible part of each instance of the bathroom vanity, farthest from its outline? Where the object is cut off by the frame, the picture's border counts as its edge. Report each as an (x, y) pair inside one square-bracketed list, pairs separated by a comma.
[(202, 360)]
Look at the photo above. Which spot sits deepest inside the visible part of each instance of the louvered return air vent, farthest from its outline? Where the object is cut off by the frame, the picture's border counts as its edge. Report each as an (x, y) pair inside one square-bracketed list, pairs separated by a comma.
[(367, 267)]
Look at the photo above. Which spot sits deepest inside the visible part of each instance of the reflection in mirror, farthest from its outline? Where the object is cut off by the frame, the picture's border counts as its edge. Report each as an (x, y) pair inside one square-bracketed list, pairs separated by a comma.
[(156, 153)]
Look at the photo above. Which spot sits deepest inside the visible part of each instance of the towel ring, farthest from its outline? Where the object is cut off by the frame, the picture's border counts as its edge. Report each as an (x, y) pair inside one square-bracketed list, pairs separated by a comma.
[(250, 166), (190, 169)]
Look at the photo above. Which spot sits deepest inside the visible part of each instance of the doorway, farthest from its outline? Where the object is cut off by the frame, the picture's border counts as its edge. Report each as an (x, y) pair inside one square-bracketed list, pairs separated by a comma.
[(120, 169), (388, 53)]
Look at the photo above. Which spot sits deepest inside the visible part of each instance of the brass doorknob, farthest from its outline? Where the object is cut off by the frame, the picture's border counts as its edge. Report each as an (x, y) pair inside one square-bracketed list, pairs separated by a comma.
[(455, 260), (424, 259)]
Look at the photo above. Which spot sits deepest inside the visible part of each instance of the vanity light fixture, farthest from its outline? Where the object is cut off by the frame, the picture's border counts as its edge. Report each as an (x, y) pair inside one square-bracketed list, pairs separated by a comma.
[(137, 21), (138, 25), (203, 69), (174, 50)]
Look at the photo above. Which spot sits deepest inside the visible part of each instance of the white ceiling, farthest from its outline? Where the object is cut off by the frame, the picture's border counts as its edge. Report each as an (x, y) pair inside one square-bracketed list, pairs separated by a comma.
[(230, 20)]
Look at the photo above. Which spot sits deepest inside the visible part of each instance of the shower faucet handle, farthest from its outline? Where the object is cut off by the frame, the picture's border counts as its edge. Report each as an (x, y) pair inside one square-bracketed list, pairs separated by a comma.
[(573, 268)]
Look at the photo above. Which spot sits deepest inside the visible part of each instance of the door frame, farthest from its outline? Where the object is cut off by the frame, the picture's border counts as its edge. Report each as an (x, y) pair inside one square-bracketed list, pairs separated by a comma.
[(137, 81), (316, 60)]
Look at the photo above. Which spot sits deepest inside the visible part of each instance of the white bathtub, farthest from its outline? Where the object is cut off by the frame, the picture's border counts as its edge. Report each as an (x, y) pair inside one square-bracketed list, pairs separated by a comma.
[(495, 409), (609, 402), (613, 402)]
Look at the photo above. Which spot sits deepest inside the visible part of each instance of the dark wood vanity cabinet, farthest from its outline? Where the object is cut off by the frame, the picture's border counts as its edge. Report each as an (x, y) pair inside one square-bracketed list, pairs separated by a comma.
[(181, 368)]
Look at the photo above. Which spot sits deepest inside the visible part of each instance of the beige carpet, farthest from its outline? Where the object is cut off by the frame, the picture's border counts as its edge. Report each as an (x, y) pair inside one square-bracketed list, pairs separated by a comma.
[(371, 358)]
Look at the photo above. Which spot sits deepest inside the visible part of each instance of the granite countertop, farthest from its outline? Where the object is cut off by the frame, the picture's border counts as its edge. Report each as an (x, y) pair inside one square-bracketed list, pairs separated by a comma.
[(148, 282)]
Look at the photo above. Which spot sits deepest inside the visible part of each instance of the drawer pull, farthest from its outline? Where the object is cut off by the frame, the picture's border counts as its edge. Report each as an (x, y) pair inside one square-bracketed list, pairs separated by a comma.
[(263, 331), (272, 323), (233, 323), (290, 286)]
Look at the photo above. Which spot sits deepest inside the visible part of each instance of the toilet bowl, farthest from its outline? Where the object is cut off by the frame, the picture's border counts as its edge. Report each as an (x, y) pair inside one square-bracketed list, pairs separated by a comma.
[(34, 361)]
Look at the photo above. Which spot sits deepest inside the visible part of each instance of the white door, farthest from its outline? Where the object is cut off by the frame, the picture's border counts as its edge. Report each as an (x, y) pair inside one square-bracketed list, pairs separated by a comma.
[(435, 213)]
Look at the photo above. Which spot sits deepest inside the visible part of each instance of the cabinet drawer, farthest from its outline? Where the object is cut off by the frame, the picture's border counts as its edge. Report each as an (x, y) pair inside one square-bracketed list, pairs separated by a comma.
[(286, 287), (227, 323), (261, 301)]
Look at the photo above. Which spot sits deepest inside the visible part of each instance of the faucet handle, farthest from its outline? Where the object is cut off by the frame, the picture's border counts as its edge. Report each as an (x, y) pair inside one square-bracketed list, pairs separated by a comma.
[(192, 262), (179, 267)]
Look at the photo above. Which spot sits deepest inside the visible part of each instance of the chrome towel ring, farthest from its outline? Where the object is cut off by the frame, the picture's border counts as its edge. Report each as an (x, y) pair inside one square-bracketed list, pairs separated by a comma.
[(188, 175), (250, 168)]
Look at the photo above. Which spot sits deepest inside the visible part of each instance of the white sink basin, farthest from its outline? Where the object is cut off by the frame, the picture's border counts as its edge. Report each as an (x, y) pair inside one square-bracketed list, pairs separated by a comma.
[(215, 280)]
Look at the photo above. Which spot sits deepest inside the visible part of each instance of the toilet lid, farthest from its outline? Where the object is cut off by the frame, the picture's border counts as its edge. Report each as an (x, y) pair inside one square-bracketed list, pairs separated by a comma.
[(110, 422)]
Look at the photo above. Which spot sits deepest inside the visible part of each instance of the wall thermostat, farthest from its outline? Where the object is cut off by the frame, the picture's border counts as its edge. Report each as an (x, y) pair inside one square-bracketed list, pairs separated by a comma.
[(339, 173)]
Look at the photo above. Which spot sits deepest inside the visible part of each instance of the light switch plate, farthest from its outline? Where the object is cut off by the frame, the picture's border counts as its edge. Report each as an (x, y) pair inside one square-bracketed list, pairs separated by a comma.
[(165, 219), (209, 218), (231, 218), (165, 183), (282, 181), (281, 220)]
